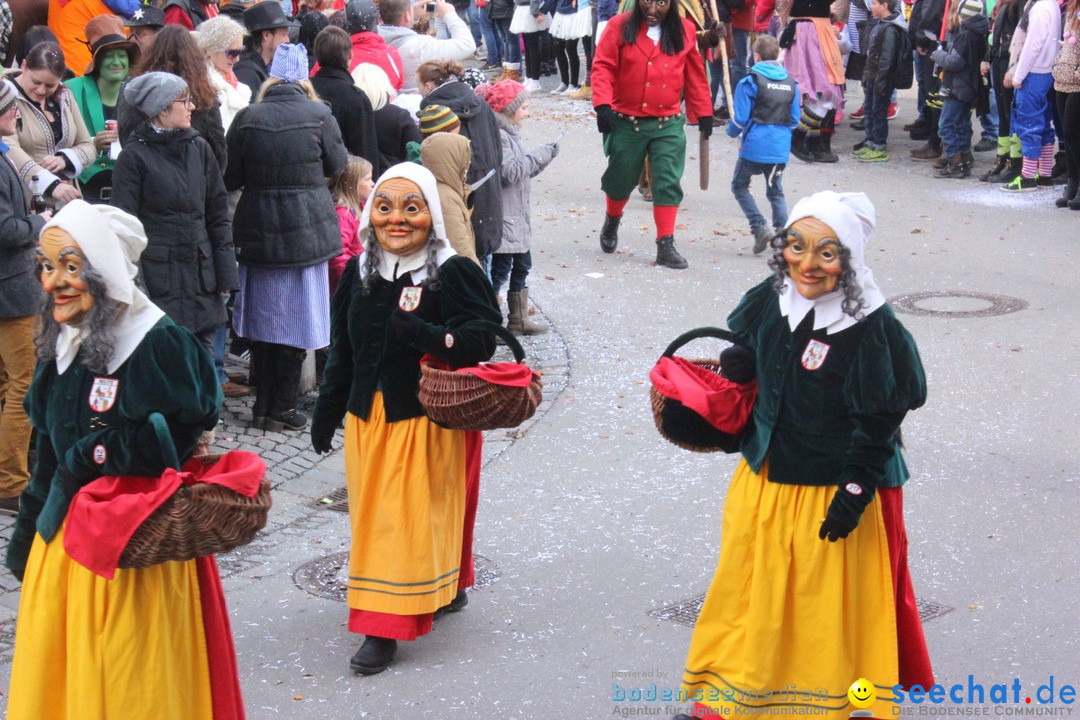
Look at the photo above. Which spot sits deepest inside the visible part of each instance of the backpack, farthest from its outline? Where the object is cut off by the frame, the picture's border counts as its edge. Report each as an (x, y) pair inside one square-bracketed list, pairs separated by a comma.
[(904, 75)]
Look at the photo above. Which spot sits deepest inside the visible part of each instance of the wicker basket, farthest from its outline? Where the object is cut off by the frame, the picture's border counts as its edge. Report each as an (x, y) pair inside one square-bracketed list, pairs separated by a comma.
[(200, 519), (673, 432), (463, 401)]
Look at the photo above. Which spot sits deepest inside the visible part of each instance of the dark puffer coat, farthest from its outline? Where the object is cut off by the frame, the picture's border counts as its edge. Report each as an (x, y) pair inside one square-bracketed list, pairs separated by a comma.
[(281, 151), (172, 183), (479, 125), (352, 110)]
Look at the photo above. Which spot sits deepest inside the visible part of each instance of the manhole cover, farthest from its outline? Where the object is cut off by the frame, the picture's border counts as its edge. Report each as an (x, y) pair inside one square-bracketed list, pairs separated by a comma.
[(687, 611), (338, 500), (956, 304), (327, 577)]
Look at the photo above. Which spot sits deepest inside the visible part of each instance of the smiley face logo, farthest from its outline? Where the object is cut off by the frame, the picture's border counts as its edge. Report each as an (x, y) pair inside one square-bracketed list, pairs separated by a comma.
[(862, 693)]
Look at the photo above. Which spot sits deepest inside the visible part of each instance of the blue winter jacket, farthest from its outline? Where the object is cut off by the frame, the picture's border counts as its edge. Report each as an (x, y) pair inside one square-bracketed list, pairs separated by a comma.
[(606, 9), (766, 144)]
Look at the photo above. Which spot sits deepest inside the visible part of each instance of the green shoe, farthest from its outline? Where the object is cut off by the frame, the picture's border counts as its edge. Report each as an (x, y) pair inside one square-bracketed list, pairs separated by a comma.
[(874, 156), (861, 151)]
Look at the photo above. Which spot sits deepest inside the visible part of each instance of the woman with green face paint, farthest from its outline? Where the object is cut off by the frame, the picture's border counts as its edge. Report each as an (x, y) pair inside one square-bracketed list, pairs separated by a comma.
[(97, 93)]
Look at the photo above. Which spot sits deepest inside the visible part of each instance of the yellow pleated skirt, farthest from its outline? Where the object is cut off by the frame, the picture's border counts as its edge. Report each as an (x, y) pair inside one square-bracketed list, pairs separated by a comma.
[(87, 648), (406, 483), (791, 621)]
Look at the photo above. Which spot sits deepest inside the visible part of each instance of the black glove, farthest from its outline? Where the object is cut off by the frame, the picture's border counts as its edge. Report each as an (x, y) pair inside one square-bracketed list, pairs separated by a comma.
[(738, 364), (704, 124), (321, 444), (406, 326), (845, 510), (605, 119)]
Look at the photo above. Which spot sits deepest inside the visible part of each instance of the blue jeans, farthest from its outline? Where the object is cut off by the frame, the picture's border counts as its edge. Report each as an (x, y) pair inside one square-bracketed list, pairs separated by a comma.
[(989, 120), (516, 266), (876, 109), (491, 38), (774, 191), (923, 68), (510, 42), (955, 126), (738, 65), (472, 14), (214, 342)]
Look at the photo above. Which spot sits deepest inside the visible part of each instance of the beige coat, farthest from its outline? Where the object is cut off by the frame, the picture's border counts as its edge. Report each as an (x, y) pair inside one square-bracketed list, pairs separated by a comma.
[(34, 139), (447, 155)]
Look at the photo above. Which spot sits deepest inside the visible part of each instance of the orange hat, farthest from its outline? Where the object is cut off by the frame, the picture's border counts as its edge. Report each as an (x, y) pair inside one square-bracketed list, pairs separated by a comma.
[(106, 32)]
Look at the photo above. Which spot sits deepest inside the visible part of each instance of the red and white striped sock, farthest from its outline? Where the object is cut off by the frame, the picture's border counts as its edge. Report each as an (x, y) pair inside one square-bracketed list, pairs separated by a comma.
[(1046, 160), (1031, 167)]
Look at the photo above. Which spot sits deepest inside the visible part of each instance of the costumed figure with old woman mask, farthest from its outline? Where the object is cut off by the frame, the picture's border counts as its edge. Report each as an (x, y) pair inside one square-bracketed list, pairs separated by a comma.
[(812, 589), (409, 294)]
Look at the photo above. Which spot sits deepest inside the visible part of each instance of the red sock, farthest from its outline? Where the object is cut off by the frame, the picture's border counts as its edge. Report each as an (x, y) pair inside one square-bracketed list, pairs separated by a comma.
[(1046, 160), (664, 217), (1030, 168), (615, 207)]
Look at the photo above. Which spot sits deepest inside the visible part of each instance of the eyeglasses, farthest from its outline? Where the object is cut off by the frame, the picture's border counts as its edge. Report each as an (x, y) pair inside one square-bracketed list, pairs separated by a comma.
[(232, 54), (185, 101)]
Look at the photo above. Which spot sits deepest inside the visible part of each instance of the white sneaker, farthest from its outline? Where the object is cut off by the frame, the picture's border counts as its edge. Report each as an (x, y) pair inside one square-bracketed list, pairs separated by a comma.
[(560, 90), (570, 90), (532, 86)]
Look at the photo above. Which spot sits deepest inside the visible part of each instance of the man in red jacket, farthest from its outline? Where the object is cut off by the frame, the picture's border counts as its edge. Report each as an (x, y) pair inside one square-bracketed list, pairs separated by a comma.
[(646, 64)]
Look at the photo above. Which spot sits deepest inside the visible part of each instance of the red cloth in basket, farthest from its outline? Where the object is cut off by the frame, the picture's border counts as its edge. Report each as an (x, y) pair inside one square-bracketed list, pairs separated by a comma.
[(105, 513), (510, 374), (723, 404)]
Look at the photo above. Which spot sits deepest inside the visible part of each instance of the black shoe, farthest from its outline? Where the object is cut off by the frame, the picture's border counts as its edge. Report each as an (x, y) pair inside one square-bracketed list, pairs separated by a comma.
[(289, 420), (1069, 194), (609, 234), (9, 506), (985, 145), (859, 124), (1008, 173), (1000, 164), (374, 656), (456, 605), (668, 256), (858, 146), (1041, 182), (922, 133), (799, 147), (819, 149), (721, 113)]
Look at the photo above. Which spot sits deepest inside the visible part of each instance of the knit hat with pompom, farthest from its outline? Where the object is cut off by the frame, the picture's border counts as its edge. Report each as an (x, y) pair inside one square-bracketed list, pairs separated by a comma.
[(505, 96)]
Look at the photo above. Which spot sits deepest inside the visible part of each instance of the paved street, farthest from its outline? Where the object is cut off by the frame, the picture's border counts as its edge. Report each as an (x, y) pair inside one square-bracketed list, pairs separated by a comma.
[(591, 527)]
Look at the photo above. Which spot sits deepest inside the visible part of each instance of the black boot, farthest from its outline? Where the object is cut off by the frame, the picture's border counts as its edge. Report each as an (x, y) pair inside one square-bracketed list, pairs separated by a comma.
[(374, 656), (799, 146), (955, 168), (609, 234), (819, 148), (668, 256), (1010, 172), (1000, 164), (288, 363), (456, 605), (1070, 192)]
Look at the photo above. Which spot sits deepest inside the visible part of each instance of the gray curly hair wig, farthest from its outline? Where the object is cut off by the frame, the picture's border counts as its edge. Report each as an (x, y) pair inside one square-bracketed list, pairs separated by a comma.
[(97, 349), (853, 302)]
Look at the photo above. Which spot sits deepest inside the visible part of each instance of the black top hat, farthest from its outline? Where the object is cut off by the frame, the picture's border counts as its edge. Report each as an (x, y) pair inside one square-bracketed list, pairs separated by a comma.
[(147, 16), (267, 16)]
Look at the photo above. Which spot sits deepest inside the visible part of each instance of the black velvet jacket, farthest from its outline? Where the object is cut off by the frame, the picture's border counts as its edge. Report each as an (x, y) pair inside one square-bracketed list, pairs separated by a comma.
[(366, 355)]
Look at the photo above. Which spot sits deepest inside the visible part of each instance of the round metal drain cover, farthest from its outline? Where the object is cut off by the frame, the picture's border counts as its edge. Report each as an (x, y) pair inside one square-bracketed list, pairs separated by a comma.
[(956, 304), (327, 577)]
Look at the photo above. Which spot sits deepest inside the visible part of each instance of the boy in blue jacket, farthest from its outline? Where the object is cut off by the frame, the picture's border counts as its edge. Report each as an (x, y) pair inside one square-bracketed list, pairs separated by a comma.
[(766, 111)]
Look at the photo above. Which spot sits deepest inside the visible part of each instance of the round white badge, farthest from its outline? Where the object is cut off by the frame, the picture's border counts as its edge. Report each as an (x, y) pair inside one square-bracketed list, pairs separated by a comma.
[(854, 488), (449, 340), (99, 454)]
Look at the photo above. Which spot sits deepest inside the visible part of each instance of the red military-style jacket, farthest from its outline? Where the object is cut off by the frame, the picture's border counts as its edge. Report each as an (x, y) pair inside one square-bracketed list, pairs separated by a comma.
[(641, 81)]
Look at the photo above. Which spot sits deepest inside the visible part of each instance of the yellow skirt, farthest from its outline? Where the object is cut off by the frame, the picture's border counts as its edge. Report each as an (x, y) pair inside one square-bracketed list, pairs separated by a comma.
[(792, 621), (87, 648), (406, 484)]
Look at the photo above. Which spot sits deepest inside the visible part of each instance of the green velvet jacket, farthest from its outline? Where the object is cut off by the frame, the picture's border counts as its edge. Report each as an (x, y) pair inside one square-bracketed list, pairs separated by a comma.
[(88, 99), (366, 355), (840, 421), (169, 373)]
